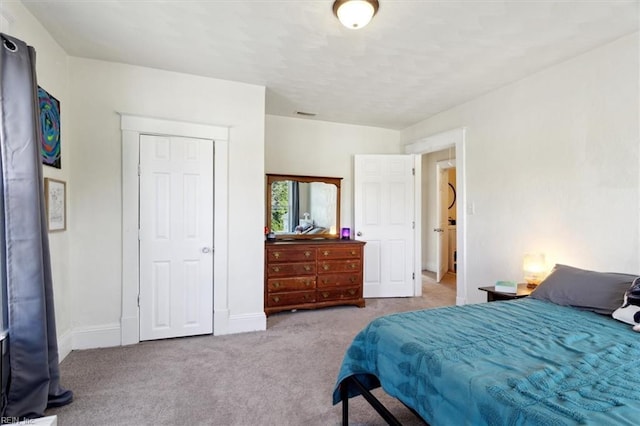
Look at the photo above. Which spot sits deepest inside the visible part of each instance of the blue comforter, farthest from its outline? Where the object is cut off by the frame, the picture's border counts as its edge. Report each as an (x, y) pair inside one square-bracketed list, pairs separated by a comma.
[(521, 362)]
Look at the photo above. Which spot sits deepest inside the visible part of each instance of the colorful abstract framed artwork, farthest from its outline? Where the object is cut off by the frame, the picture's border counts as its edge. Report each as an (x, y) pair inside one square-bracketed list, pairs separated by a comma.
[(50, 125), (55, 193)]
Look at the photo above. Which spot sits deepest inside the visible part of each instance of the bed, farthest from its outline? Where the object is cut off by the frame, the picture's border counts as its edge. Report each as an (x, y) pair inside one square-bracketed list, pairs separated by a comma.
[(531, 361)]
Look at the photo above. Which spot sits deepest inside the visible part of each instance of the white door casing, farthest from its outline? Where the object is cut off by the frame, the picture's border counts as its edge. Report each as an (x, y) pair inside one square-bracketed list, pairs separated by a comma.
[(132, 127), (176, 237), (451, 138), (384, 219)]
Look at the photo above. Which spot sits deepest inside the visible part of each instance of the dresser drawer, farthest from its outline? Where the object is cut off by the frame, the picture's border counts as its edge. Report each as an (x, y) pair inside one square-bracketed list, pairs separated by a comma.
[(290, 269), (290, 254), (291, 298), (339, 252), (339, 280), (338, 293), (275, 285), (333, 266)]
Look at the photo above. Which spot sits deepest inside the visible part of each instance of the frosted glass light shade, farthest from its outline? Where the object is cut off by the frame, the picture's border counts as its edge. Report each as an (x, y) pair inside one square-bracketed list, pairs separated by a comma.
[(534, 266), (355, 14)]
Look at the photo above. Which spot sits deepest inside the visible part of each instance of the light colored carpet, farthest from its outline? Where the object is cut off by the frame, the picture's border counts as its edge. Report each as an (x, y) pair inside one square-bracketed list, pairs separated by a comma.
[(282, 376)]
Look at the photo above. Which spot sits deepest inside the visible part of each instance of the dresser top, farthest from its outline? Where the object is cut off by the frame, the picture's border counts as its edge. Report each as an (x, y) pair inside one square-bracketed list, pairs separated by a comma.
[(333, 241)]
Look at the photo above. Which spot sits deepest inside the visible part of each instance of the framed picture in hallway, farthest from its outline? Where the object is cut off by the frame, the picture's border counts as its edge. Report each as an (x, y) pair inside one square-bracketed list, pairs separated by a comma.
[(55, 202)]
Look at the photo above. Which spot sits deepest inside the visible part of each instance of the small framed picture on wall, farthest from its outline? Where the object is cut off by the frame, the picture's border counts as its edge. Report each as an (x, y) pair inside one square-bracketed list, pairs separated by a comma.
[(55, 192)]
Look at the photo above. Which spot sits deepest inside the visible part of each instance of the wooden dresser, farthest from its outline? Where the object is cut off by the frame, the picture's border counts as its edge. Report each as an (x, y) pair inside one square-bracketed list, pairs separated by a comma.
[(312, 274)]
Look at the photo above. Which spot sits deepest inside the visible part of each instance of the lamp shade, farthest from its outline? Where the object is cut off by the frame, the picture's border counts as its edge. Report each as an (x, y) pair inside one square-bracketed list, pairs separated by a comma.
[(534, 267), (355, 14)]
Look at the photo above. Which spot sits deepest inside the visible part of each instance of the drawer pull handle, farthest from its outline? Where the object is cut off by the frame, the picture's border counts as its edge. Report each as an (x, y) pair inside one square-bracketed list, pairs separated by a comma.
[(308, 283), (325, 294), (352, 292), (352, 279), (276, 285), (276, 269), (353, 252), (307, 253), (276, 255), (276, 299), (353, 266), (326, 252), (307, 267), (325, 267), (325, 281)]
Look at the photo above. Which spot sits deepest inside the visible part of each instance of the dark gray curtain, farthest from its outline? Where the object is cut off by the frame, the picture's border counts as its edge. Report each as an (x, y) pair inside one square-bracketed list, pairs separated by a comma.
[(34, 380), (295, 206)]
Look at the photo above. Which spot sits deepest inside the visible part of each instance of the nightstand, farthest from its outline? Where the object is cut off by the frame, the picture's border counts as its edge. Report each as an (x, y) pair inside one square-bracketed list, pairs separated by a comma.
[(493, 295)]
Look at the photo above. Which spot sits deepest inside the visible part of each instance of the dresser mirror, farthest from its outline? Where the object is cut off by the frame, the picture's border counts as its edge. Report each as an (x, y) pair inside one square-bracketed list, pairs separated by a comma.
[(303, 207)]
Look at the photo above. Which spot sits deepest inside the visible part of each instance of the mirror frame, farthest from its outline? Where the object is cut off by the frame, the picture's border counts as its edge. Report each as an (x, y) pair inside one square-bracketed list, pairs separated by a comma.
[(324, 179)]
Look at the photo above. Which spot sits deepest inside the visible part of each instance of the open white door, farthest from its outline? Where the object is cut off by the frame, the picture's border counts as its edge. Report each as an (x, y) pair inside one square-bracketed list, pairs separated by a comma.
[(384, 219), (442, 249), (176, 237)]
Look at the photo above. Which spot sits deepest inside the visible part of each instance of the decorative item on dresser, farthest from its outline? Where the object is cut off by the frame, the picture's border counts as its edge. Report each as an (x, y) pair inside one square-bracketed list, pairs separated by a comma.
[(312, 274)]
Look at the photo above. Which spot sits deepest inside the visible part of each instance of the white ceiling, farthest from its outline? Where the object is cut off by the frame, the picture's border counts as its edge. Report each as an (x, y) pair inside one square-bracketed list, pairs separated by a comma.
[(415, 59)]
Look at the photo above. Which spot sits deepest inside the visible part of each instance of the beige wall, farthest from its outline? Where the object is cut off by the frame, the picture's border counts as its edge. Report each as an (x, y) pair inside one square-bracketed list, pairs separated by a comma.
[(552, 165), (99, 92), (86, 259), (319, 148)]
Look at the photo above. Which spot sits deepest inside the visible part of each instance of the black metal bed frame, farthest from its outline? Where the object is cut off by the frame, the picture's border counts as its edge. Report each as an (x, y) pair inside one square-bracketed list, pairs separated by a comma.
[(371, 399)]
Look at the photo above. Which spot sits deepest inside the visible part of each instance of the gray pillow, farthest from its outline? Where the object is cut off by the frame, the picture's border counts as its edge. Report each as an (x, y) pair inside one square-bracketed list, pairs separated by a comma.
[(600, 292)]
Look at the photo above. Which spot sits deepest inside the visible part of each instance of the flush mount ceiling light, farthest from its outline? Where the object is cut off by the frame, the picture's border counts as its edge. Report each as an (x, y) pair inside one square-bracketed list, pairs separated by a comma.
[(355, 14)]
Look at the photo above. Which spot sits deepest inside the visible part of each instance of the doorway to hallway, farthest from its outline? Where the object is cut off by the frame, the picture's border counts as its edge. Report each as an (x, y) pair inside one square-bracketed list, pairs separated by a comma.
[(449, 142), (442, 293)]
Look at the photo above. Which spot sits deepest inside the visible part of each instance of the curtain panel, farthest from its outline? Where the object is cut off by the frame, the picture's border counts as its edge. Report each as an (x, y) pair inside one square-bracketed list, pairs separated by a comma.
[(25, 267)]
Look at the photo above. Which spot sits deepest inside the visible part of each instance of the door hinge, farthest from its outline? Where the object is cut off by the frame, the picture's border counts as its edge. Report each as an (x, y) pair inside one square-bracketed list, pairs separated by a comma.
[(139, 235), (139, 170), (413, 225), (413, 277), (413, 171), (138, 300)]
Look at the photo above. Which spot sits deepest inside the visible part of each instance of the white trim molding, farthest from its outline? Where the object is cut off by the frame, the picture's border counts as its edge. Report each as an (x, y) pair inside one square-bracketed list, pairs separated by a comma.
[(132, 127), (451, 138), (247, 322), (103, 336), (437, 142), (65, 344)]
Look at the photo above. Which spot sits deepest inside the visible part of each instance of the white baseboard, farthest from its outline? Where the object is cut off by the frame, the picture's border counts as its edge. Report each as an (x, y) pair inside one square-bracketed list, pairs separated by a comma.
[(65, 344), (96, 337), (246, 322), (431, 266), (110, 335)]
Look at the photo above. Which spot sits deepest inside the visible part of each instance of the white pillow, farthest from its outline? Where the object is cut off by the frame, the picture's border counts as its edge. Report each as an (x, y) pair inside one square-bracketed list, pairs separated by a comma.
[(629, 312)]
